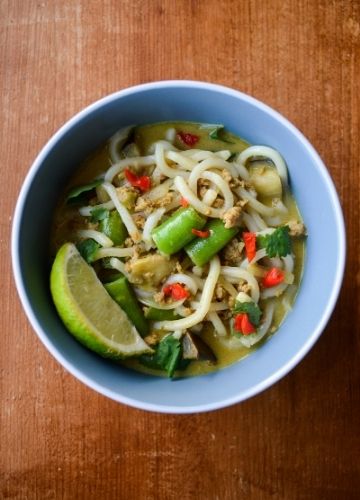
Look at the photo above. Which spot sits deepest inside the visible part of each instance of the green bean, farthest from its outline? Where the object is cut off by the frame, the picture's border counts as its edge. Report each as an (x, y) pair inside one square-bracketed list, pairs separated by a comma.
[(201, 250), (121, 291), (173, 234), (114, 228), (160, 314)]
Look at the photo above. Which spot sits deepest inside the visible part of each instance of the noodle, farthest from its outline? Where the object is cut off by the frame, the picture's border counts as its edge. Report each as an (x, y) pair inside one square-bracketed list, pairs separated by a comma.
[(225, 293), (163, 166), (217, 324), (113, 252), (199, 315), (86, 211), (199, 205), (150, 223), (123, 212), (234, 274), (100, 238), (264, 151), (116, 140)]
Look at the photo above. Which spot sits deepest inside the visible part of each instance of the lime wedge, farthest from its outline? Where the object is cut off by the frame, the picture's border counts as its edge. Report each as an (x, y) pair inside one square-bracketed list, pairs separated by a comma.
[(88, 311)]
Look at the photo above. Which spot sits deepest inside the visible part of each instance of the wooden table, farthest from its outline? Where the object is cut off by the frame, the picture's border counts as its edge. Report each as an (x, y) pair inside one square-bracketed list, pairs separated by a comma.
[(299, 439)]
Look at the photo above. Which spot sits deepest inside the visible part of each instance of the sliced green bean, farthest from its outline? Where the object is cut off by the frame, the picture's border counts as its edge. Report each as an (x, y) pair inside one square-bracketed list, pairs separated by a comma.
[(173, 234), (160, 314), (114, 228), (201, 250), (121, 291)]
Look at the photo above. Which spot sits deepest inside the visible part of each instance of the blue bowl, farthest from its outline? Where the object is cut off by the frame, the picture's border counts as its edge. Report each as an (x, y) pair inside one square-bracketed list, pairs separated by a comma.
[(244, 116)]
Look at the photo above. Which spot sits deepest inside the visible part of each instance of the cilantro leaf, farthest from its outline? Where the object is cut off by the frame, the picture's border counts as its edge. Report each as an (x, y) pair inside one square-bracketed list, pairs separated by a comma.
[(167, 356), (88, 249), (277, 243), (216, 132), (251, 309), (98, 214), (79, 193)]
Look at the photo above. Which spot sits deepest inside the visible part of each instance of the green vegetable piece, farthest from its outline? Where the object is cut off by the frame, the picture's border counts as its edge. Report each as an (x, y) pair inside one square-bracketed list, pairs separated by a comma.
[(122, 292), (277, 243), (79, 193), (250, 308), (173, 234), (88, 249), (216, 132), (154, 314), (114, 228), (167, 356), (201, 250), (98, 214)]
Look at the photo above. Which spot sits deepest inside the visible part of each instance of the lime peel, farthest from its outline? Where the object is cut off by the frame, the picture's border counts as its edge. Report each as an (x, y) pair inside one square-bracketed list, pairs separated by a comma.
[(88, 311)]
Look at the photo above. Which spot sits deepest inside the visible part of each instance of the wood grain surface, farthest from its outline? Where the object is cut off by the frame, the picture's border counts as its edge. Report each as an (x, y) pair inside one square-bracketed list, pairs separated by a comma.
[(298, 440)]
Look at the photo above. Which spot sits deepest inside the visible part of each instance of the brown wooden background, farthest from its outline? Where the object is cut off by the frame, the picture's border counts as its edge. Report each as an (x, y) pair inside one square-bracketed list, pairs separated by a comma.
[(298, 440)]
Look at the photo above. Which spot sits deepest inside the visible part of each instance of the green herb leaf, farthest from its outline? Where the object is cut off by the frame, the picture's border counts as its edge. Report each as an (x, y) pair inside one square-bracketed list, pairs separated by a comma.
[(216, 132), (250, 308), (167, 356), (88, 249), (98, 214), (79, 193), (277, 243)]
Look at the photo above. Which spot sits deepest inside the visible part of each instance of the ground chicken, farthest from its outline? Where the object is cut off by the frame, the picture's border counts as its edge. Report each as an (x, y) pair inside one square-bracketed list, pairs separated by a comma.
[(186, 311), (148, 206), (152, 339), (178, 267), (159, 298), (236, 182), (129, 242), (218, 203), (241, 203), (296, 228), (143, 204), (139, 221), (231, 301), (220, 292), (232, 217), (164, 201), (244, 287), (232, 252), (225, 174), (128, 196)]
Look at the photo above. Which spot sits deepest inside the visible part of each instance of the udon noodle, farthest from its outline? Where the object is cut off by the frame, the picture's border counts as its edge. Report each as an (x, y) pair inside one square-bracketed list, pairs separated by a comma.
[(212, 239)]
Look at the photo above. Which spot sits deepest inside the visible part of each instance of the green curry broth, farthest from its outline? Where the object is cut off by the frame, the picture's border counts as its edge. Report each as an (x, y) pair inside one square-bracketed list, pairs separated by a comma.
[(67, 220)]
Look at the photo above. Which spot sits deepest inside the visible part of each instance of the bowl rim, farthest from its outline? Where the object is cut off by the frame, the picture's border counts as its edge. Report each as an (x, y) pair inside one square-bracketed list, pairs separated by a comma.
[(16, 225)]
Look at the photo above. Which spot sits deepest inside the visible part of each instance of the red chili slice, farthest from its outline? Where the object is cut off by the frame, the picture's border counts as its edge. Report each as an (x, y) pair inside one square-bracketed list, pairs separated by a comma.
[(184, 203), (188, 139), (201, 234), (143, 182), (176, 291), (250, 245), (273, 277), (243, 325)]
